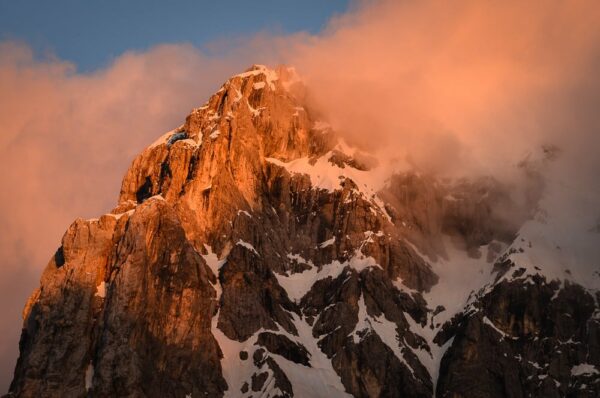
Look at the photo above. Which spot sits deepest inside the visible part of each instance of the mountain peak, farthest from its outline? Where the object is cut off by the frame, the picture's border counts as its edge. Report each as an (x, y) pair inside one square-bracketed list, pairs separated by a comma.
[(253, 251)]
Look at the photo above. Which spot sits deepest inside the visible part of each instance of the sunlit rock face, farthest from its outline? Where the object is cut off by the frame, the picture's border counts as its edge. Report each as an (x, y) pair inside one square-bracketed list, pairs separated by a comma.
[(254, 253)]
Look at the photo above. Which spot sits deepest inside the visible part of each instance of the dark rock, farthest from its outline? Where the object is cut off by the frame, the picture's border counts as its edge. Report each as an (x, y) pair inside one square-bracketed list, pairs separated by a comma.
[(523, 341), (281, 345)]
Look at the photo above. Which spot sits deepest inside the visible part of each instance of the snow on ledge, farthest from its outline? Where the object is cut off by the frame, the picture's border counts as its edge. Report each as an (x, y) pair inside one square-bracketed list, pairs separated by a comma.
[(89, 376), (270, 75), (101, 290), (298, 284), (325, 175), (327, 243), (487, 321), (244, 212), (584, 369), (247, 246)]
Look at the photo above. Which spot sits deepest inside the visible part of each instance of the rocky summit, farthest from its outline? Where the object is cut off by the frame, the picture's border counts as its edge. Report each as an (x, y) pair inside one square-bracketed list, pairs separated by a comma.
[(253, 253)]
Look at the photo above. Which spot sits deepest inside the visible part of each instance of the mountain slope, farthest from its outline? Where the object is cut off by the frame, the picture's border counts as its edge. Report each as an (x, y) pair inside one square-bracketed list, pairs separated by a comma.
[(253, 253)]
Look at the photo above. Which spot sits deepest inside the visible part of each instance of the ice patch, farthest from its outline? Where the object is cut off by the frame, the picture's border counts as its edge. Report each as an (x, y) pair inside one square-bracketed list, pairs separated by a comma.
[(559, 243)]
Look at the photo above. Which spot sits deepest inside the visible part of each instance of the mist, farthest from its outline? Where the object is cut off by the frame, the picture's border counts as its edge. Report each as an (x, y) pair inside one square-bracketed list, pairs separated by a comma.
[(459, 87), (467, 89)]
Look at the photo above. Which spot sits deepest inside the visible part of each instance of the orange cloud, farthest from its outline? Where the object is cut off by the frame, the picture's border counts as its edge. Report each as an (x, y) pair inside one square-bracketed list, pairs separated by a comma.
[(460, 85)]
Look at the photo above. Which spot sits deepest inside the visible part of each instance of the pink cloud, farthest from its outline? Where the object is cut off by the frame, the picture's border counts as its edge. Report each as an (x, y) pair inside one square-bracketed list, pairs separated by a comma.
[(461, 85)]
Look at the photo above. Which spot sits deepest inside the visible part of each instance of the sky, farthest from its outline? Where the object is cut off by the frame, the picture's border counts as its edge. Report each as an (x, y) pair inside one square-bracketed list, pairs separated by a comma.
[(91, 34), (461, 88)]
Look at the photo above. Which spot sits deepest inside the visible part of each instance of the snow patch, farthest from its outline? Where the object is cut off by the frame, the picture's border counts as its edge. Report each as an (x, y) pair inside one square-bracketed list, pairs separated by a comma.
[(119, 215), (560, 242), (101, 290), (89, 376), (320, 380), (460, 276), (270, 75), (584, 369), (487, 321), (325, 175), (235, 371), (299, 259), (247, 246), (244, 212), (298, 284), (212, 260), (190, 142), (385, 329), (327, 243)]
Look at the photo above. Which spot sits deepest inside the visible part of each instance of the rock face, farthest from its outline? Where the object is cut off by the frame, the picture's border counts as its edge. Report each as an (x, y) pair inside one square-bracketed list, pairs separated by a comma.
[(252, 253), (130, 307)]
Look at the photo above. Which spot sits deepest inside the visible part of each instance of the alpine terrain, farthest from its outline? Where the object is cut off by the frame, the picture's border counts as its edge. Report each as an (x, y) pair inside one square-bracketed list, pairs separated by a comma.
[(253, 253)]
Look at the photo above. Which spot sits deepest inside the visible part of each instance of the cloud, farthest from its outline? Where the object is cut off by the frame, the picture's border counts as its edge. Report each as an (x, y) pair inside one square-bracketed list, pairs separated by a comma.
[(459, 86), (471, 88)]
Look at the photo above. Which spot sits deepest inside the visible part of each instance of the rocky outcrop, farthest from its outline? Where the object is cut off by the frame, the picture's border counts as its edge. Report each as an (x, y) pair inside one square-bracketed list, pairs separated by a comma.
[(349, 313), (525, 338), (281, 345), (128, 312)]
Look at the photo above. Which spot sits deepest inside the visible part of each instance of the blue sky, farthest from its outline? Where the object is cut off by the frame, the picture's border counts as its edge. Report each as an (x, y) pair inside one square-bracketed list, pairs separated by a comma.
[(92, 33)]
